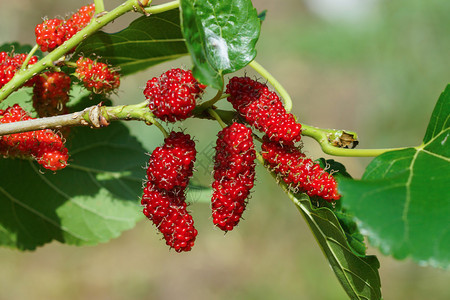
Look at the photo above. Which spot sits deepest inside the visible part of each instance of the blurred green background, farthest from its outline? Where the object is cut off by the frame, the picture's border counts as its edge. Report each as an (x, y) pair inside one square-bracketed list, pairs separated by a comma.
[(374, 67)]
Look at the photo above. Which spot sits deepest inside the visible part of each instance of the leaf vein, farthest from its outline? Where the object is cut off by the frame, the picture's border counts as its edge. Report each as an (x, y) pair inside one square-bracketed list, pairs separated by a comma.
[(436, 155), (42, 216), (159, 58), (408, 197)]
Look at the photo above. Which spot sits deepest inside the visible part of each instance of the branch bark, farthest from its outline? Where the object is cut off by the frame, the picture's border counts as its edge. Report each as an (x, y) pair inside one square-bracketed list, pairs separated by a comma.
[(96, 116)]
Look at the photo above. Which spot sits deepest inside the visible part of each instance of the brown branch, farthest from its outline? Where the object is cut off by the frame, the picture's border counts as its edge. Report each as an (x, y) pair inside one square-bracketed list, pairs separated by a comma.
[(94, 116), (56, 122), (98, 116)]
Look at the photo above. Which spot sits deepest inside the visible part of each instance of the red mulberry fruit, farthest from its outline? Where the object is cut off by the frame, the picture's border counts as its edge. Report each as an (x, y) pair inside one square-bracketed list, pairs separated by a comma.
[(9, 65), (50, 34), (172, 96), (263, 110), (45, 146), (298, 172), (167, 210), (96, 76), (51, 93), (170, 168), (79, 20), (171, 165), (53, 33), (234, 175)]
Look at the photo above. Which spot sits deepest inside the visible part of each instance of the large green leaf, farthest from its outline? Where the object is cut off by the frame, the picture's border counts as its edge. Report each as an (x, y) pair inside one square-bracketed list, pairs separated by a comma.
[(220, 35), (358, 275), (403, 201), (147, 41), (92, 200)]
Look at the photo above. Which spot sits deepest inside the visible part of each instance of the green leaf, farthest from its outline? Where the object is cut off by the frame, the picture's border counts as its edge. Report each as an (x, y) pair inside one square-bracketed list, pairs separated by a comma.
[(192, 30), (220, 35), (402, 202), (347, 221), (147, 41), (358, 275), (23, 98), (92, 200), (19, 48), (354, 237), (262, 15), (439, 121)]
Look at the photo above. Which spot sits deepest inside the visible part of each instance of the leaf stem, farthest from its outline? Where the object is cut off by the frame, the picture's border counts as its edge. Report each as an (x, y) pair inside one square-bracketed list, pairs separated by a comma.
[(332, 142), (217, 117), (99, 6), (70, 64), (210, 102), (146, 2), (47, 62), (151, 118), (162, 7), (27, 59), (280, 89)]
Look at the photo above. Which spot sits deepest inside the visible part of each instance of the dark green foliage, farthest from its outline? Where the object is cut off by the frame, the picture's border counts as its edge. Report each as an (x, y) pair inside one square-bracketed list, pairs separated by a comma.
[(147, 41)]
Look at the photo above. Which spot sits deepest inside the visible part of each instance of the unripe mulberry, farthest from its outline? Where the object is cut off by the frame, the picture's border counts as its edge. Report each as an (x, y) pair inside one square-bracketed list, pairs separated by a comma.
[(51, 93), (79, 20), (96, 76), (172, 96), (170, 168), (10, 64), (263, 109), (298, 172), (52, 33), (234, 175), (45, 145)]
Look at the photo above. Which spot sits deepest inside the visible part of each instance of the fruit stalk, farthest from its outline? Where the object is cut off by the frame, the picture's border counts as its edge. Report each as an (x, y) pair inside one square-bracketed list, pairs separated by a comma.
[(99, 6), (278, 87), (332, 142), (162, 7)]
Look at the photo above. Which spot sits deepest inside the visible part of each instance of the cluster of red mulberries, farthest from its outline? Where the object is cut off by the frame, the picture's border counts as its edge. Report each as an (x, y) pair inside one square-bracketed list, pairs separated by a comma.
[(172, 96), (43, 145), (53, 33), (263, 109), (50, 91), (10, 64), (299, 172), (234, 175), (96, 76), (168, 173), (51, 94)]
